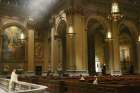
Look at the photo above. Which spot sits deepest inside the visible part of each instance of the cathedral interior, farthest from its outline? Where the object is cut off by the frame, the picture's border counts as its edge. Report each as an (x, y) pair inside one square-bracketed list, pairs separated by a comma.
[(55, 42)]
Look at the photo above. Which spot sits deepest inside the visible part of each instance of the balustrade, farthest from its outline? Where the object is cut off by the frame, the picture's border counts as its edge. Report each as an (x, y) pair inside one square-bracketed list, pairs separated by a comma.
[(22, 87)]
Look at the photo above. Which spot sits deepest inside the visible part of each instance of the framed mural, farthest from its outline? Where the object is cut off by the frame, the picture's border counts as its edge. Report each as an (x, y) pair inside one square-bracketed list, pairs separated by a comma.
[(12, 48), (38, 50), (38, 47)]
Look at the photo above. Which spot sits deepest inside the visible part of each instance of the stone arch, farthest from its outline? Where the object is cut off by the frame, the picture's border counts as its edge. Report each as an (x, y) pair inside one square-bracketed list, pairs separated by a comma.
[(101, 20), (24, 29), (97, 26), (128, 34), (132, 28)]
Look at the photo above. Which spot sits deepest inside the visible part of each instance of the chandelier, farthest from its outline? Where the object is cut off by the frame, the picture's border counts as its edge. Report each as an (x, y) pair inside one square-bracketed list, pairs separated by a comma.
[(115, 11)]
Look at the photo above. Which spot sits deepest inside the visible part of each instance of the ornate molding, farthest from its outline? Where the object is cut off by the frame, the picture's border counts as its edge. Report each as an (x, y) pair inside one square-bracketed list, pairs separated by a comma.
[(74, 10)]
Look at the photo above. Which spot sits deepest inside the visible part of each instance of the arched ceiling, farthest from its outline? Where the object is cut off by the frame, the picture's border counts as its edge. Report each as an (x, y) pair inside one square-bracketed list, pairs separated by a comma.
[(20, 7), (24, 4)]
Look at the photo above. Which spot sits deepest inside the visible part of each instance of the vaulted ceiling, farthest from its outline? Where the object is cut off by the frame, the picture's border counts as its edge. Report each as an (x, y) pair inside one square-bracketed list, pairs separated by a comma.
[(40, 5), (45, 8)]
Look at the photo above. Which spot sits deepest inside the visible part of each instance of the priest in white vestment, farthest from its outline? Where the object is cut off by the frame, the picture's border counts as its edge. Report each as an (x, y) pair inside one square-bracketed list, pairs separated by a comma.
[(13, 80)]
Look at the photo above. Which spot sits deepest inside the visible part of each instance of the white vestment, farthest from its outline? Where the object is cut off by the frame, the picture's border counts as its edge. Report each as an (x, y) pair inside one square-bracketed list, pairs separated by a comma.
[(14, 79), (95, 81)]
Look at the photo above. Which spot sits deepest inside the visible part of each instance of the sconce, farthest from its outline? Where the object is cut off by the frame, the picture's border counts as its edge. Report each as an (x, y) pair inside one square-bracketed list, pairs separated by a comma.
[(108, 36), (21, 39), (139, 38), (115, 8), (70, 31)]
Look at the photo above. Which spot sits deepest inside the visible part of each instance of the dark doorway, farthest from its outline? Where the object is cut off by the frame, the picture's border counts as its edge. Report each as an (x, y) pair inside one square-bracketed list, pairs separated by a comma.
[(96, 47), (127, 51), (38, 70), (91, 55)]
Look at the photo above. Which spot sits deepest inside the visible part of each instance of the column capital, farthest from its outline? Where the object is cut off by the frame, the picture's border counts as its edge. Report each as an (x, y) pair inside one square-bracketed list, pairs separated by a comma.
[(30, 25), (115, 17)]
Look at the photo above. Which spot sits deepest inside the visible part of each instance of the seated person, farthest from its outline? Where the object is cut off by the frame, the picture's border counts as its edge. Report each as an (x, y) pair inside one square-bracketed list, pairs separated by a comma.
[(96, 80), (82, 77)]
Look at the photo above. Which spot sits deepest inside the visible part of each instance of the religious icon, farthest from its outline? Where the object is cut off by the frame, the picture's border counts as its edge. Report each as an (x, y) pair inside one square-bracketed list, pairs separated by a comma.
[(38, 50), (11, 48)]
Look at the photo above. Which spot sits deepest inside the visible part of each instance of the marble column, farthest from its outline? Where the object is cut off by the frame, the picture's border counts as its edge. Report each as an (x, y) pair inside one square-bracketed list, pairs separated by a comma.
[(70, 64), (80, 41), (30, 51), (116, 49), (54, 50), (109, 65), (78, 60), (46, 52)]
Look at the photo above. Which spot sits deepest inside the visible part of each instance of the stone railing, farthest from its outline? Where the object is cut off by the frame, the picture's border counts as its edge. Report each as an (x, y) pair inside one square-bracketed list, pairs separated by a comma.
[(23, 87)]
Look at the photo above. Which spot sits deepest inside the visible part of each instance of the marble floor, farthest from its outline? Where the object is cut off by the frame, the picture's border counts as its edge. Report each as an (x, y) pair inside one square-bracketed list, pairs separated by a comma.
[(2, 91)]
